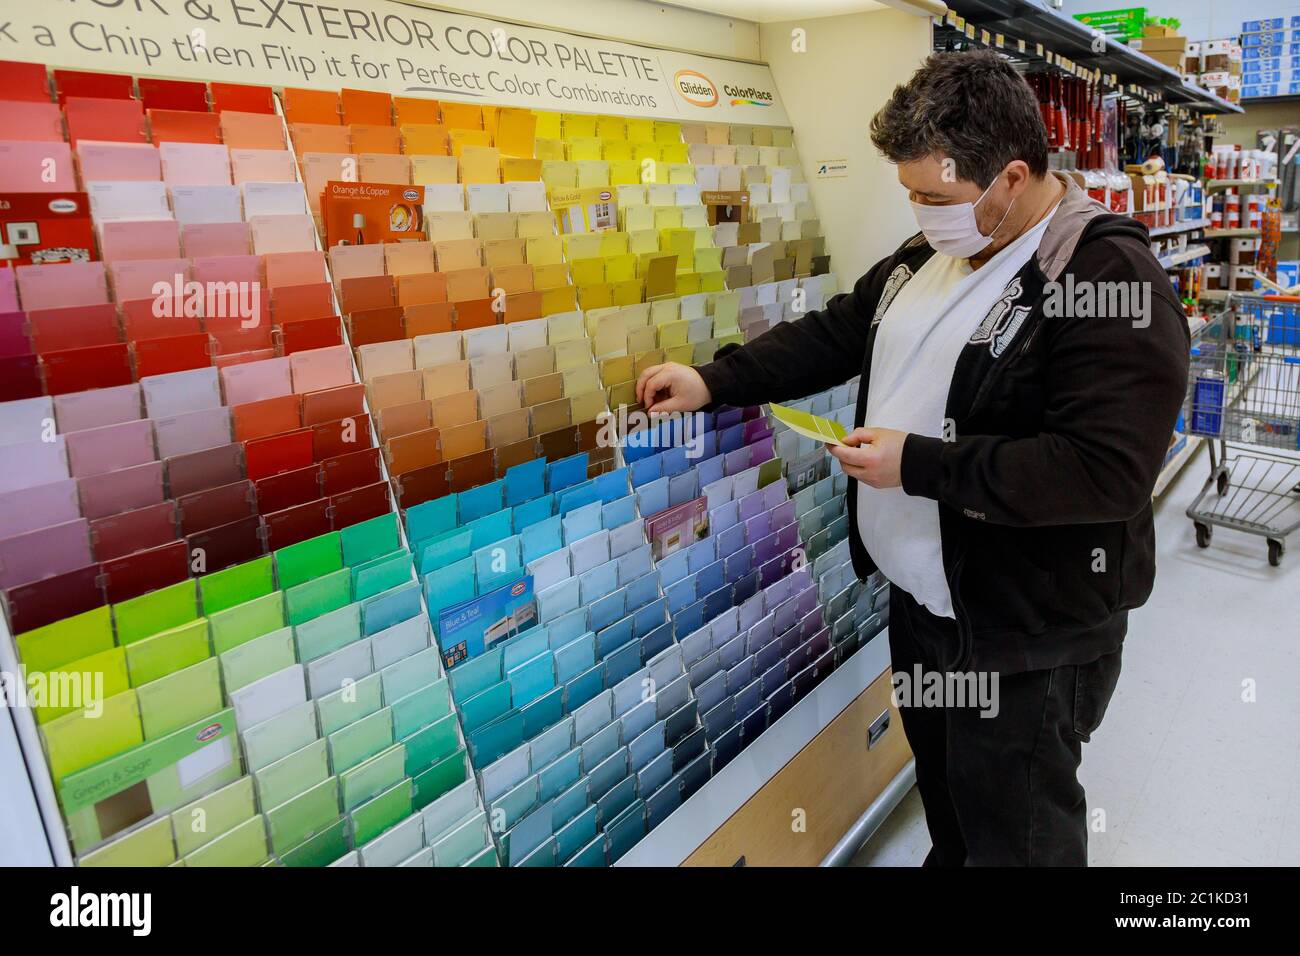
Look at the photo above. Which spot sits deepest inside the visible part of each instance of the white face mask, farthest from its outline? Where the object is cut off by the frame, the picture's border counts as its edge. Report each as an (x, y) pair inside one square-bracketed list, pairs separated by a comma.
[(953, 229)]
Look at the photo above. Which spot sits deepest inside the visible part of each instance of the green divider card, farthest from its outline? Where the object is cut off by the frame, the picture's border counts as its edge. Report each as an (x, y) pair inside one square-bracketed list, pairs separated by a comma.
[(236, 585), (179, 699), (426, 747), (151, 845), (370, 539), (245, 845), (280, 736), (77, 685), (318, 596), (243, 622), (328, 633), (156, 776), (408, 674), (361, 740), (255, 659), (447, 773), (304, 815), (156, 611), (486, 858), (80, 739), (308, 559), (769, 472), (209, 817), (382, 573), (351, 702), (375, 775), (67, 640), (420, 708), (378, 814), (320, 850), (291, 775), (154, 657)]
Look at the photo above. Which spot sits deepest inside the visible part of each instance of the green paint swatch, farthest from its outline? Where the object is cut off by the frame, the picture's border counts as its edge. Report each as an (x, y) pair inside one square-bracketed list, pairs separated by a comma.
[(350, 703), (151, 845), (243, 622), (296, 819), (361, 740), (370, 539), (245, 845), (154, 657), (383, 811), (209, 817), (67, 640), (255, 659), (289, 776), (236, 585), (308, 559), (318, 596), (156, 612), (178, 699), (320, 850)]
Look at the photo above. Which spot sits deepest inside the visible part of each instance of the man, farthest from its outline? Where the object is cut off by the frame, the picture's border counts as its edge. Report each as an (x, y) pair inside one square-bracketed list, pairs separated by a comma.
[(1012, 440)]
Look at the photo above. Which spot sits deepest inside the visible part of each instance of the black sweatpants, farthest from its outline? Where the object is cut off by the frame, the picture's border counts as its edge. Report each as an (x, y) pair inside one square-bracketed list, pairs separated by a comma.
[(1000, 790)]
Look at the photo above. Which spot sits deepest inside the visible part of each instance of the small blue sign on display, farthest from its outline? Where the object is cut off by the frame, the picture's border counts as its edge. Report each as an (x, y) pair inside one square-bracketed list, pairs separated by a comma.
[(468, 629)]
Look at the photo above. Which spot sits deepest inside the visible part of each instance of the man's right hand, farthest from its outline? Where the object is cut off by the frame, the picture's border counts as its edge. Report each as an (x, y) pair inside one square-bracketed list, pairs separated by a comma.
[(672, 388)]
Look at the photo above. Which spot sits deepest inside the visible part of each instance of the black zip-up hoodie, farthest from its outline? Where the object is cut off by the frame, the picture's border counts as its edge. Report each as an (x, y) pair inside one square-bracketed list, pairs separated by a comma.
[(1062, 425)]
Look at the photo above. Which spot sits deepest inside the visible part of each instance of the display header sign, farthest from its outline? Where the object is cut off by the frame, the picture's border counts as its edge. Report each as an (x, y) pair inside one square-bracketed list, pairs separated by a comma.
[(398, 47)]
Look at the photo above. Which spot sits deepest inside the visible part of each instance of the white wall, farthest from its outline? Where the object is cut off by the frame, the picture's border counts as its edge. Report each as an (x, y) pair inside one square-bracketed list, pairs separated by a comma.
[(1201, 19), (636, 21), (831, 92)]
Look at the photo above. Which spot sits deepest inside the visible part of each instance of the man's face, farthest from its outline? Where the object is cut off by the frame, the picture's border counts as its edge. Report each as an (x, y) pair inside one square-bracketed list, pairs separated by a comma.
[(933, 181)]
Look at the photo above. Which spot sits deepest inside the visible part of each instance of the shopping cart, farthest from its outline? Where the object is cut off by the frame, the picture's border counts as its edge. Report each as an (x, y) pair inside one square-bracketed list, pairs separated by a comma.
[(1244, 388)]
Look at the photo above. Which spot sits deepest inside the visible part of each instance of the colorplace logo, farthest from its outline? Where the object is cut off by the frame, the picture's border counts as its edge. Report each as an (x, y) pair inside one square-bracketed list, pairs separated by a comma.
[(748, 95), (696, 88)]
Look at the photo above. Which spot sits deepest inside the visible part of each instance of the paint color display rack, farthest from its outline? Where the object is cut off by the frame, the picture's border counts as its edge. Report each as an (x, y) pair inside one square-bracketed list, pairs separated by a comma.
[(784, 238)]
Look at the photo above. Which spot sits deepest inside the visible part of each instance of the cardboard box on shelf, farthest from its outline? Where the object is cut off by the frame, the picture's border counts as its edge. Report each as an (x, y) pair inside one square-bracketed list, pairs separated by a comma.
[(1158, 30), (1216, 55), (1160, 44)]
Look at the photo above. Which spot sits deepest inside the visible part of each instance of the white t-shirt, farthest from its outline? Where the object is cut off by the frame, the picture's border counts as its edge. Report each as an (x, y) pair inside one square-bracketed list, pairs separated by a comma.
[(923, 330)]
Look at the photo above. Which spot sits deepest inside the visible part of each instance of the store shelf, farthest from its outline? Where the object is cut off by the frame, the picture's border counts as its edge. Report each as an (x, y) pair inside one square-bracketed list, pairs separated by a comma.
[(1213, 184), (1215, 295), (1230, 233), (1185, 449), (691, 824), (1034, 21), (1185, 226), (1187, 255)]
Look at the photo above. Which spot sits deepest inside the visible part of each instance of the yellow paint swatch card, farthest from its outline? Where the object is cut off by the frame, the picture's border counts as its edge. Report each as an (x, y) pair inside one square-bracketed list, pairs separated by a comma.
[(548, 125), (578, 125), (623, 171), (641, 130), (515, 133), (808, 425), (584, 148), (619, 150)]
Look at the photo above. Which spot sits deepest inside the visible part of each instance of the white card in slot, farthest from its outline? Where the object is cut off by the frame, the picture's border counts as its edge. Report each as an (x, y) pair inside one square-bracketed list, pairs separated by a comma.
[(129, 200), (273, 694), (198, 204), (274, 199)]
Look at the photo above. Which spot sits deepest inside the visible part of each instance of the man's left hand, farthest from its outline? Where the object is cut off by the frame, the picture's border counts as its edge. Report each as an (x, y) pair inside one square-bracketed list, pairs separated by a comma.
[(872, 455)]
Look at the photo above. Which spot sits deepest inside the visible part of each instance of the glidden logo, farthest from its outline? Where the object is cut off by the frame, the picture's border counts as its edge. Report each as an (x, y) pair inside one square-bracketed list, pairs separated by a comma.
[(696, 88)]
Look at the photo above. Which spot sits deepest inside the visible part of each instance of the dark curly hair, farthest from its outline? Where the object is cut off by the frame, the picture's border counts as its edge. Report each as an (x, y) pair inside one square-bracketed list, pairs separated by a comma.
[(972, 107)]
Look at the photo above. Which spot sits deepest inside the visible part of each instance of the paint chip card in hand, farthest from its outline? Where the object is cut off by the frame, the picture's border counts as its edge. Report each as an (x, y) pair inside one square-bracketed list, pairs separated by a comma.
[(810, 426)]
